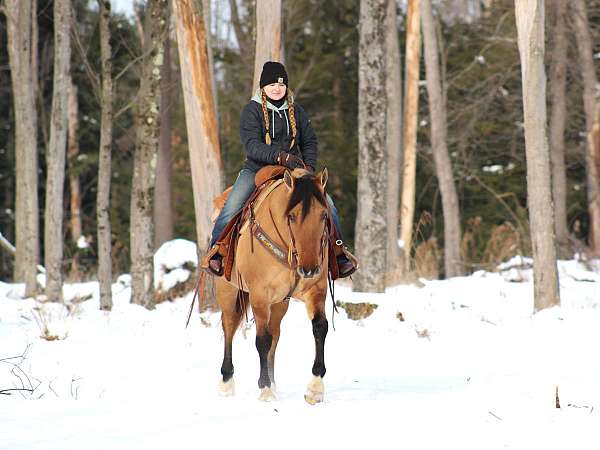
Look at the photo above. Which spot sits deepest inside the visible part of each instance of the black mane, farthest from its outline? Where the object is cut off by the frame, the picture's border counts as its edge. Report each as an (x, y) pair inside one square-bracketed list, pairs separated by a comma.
[(305, 189)]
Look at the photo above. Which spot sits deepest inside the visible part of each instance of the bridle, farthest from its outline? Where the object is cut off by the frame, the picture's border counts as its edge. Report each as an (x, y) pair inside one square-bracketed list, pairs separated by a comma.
[(290, 256)]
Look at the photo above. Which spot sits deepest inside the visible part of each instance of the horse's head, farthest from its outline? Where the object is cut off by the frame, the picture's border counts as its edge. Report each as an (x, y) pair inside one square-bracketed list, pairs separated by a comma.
[(306, 214)]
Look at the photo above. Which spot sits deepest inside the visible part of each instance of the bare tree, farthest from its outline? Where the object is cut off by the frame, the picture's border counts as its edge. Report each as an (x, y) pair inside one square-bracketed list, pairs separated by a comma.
[(411, 110), (466, 11), (268, 35), (371, 217), (558, 78), (146, 152), (200, 113), (163, 204), (72, 154), (394, 135), (21, 54), (439, 136), (55, 160), (591, 106), (104, 171), (530, 30)]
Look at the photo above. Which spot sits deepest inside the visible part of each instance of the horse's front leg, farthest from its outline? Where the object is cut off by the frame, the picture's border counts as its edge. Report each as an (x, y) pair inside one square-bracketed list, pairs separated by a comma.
[(264, 340), (320, 326), (278, 310)]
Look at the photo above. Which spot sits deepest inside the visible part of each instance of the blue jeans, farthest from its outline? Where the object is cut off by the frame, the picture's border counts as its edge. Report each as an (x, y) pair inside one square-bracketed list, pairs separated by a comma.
[(241, 191)]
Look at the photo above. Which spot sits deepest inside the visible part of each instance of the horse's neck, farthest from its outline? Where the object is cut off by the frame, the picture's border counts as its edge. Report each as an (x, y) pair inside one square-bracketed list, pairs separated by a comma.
[(270, 217)]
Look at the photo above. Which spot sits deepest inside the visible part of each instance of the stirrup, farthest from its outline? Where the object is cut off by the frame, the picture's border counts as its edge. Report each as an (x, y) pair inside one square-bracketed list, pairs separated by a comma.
[(210, 257)]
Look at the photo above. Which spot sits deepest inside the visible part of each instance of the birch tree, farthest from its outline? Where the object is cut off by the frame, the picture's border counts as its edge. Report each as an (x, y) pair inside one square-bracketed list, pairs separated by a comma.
[(200, 113), (394, 134), (411, 109), (530, 30), (439, 146), (146, 152), (591, 106), (104, 170), (21, 56), (558, 78), (268, 35), (371, 217), (53, 224)]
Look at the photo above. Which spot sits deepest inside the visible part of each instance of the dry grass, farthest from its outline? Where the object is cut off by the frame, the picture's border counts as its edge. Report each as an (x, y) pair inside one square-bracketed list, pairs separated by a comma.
[(427, 256), (505, 242), (357, 311)]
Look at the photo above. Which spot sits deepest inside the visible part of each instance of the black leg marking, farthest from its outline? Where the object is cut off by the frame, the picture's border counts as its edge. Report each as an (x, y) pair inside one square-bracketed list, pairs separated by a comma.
[(263, 345), (227, 366), (320, 327)]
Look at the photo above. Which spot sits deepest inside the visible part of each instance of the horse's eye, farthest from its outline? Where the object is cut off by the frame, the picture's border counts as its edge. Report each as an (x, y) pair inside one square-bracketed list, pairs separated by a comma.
[(324, 216), (292, 218)]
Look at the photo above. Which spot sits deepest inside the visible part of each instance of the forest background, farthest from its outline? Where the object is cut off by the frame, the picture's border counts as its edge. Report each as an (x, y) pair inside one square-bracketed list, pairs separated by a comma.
[(481, 75)]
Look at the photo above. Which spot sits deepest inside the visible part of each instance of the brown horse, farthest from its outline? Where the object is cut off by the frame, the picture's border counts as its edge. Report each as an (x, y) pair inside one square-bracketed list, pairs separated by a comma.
[(282, 254)]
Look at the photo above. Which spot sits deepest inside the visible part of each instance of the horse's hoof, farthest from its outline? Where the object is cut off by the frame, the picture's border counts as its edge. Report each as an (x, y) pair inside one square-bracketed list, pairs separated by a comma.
[(267, 394), (314, 392), (227, 389)]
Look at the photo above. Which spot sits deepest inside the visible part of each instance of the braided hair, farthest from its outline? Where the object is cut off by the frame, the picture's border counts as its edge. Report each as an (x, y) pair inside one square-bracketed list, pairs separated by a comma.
[(290, 100), (265, 115)]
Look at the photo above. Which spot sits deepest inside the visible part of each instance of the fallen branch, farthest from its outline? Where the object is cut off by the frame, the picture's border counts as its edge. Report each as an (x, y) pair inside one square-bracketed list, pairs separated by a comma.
[(7, 391)]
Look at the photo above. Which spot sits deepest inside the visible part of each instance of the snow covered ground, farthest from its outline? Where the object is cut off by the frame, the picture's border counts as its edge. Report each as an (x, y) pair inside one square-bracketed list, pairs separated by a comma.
[(469, 367)]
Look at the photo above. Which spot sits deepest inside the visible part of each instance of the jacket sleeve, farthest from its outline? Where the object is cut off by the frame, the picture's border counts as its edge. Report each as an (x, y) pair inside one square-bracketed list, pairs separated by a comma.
[(309, 145), (251, 134)]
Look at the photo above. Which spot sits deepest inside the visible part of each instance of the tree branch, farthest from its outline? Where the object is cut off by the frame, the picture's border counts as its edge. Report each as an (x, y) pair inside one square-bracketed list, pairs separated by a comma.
[(94, 79)]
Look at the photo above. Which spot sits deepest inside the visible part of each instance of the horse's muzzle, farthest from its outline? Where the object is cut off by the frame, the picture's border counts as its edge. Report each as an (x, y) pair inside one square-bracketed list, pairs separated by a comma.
[(309, 272)]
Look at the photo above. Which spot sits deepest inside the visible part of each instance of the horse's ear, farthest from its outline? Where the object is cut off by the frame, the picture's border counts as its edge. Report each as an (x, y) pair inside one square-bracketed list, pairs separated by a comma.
[(289, 180), (323, 176)]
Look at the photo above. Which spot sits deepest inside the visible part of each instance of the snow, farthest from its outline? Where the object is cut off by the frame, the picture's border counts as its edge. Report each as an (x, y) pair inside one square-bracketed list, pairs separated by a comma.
[(170, 261), (469, 367), (82, 242)]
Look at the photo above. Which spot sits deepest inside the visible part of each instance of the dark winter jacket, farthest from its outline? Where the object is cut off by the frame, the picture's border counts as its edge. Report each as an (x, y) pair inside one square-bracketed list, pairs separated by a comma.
[(253, 131)]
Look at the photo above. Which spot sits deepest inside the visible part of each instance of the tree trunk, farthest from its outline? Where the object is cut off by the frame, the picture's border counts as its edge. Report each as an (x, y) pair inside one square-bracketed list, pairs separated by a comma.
[(72, 153), (411, 110), (371, 216), (200, 116), (163, 204), (146, 153), (465, 11), (18, 15), (268, 35), (439, 136), (394, 136), (55, 161), (244, 39), (104, 163), (74, 185), (558, 78), (530, 30), (591, 106)]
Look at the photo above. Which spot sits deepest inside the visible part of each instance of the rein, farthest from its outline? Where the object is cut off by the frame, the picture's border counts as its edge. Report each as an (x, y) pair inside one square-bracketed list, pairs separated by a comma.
[(291, 262)]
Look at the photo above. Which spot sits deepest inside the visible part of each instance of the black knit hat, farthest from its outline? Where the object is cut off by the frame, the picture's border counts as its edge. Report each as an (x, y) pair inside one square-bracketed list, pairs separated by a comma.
[(273, 72)]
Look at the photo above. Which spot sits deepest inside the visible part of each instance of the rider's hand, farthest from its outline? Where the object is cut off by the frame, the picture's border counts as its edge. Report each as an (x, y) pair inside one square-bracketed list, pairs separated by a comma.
[(290, 161)]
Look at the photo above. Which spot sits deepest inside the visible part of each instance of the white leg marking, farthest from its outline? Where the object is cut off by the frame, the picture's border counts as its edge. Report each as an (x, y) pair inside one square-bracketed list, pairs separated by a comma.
[(267, 394), (314, 391), (227, 389)]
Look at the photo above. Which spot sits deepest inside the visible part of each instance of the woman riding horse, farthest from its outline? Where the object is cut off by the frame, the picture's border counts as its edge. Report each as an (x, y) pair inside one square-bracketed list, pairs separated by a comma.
[(281, 253), (274, 130)]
